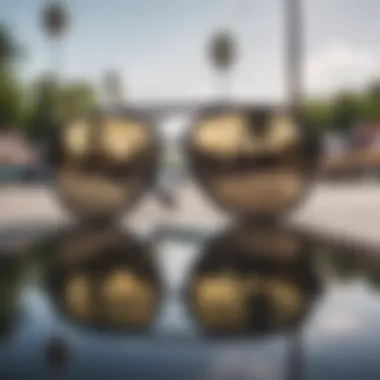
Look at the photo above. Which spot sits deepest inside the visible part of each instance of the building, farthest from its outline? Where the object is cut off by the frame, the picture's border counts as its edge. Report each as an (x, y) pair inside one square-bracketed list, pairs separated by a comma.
[(20, 160), (17, 150)]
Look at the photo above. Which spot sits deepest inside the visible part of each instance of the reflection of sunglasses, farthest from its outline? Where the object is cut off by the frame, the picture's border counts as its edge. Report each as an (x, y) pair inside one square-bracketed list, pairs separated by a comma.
[(104, 278), (238, 289)]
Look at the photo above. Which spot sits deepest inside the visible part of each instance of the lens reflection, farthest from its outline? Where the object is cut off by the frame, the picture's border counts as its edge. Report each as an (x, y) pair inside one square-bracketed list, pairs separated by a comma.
[(253, 281), (103, 165), (105, 279), (253, 162)]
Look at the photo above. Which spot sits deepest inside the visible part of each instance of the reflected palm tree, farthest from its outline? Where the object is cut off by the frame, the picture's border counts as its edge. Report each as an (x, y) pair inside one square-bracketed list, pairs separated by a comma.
[(103, 278)]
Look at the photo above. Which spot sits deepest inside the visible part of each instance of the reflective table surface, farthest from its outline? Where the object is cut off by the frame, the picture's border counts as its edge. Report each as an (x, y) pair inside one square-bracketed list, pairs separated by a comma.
[(246, 302)]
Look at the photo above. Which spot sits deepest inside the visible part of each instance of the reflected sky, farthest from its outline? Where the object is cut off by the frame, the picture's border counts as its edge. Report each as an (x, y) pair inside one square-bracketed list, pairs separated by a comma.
[(337, 338)]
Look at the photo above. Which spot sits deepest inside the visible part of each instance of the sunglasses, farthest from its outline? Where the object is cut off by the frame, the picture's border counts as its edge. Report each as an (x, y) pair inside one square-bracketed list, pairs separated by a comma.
[(253, 162)]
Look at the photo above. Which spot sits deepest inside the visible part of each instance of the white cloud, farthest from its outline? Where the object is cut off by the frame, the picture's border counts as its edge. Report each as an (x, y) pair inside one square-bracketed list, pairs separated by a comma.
[(340, 66), (336, 66)]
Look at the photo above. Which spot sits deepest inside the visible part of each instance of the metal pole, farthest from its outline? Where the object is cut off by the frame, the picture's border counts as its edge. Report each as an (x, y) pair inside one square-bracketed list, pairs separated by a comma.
[(294, 54)]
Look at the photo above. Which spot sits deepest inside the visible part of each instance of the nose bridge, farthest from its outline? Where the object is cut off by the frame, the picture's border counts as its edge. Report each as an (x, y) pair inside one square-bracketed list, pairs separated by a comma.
[(258, 123), (95, 136), (94, 157)]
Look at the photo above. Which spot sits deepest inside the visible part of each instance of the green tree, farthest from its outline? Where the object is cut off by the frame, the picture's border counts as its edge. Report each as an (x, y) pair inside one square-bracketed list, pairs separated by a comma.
[(371, 102), (346, 111), (11, 99), (318, 114), (43, 113), (76, 99), (11, 94), (53, 104), (9, 48)]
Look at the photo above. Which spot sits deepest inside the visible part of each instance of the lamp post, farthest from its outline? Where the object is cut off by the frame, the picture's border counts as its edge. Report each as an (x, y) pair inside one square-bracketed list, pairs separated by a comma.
[(294, 55)]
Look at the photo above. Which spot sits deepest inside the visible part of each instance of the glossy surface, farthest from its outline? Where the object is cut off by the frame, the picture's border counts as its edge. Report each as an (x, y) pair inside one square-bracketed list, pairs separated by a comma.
[(292, 307)]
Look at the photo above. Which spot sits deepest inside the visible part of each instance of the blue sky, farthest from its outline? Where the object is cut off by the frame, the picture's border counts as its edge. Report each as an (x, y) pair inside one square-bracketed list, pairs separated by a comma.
[(159, 45)]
